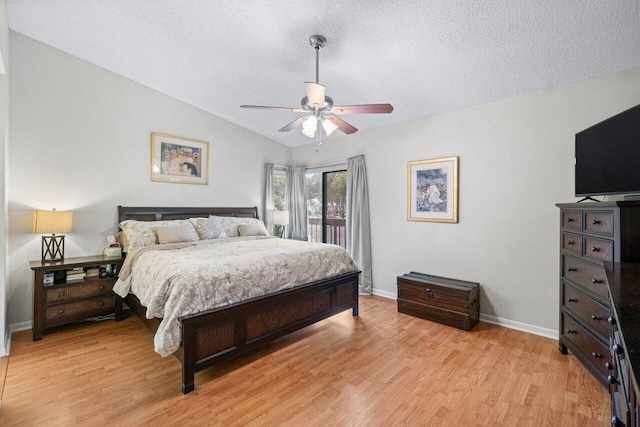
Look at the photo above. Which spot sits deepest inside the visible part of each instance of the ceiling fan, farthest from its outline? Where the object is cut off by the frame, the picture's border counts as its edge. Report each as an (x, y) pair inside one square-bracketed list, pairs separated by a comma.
[(320, 108)]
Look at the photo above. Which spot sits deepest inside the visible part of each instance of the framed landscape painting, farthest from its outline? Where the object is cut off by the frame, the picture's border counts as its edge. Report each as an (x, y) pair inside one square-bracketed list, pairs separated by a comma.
[(432, 190), (179, 160)]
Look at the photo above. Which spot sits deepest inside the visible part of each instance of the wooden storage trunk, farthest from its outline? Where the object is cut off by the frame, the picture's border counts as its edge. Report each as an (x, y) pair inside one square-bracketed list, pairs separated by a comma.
[(449, 301)]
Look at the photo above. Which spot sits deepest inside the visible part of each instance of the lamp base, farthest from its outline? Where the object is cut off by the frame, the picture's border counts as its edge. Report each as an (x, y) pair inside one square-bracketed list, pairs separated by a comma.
[(52, 248)]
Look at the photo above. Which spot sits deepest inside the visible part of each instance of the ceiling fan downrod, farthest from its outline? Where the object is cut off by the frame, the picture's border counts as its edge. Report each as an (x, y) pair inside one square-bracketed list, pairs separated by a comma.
[(317, 42)]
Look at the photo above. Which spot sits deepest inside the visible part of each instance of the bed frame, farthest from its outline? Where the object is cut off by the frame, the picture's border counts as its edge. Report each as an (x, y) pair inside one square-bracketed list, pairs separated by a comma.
[(219, 334)]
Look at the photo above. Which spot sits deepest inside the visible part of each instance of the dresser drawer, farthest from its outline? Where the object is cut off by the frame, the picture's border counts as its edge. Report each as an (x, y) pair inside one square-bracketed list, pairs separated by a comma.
[(572, 220), (600, 222), (60, 311), (589, 276), (591, 347), (572, 242), (598, 249), (588, 310), (62, 293)]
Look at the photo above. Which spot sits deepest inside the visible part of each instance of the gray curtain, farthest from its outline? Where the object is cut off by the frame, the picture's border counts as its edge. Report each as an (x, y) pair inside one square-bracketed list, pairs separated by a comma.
[(267, 205), (358, 225), (296, 199)]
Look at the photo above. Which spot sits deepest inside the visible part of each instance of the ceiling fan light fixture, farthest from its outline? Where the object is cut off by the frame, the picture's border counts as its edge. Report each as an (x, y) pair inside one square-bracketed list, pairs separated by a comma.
[(329, 126), (309, 126)]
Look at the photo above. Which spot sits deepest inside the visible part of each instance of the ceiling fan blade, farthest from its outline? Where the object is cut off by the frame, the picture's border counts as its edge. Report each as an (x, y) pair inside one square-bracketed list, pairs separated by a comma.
[(315, 93), (294, 124), (342, 125), (363, 109), (264, 107)]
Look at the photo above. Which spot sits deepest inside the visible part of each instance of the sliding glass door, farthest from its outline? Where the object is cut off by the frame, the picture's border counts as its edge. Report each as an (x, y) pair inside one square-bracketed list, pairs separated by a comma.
[(327, 207)]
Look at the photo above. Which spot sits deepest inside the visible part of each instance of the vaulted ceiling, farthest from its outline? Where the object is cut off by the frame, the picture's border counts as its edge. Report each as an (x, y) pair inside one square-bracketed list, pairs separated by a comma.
[(423, 56)]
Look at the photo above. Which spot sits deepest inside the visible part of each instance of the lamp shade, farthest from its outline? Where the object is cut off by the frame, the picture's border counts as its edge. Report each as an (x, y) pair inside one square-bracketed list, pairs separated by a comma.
[(281, 217), (52, 222)]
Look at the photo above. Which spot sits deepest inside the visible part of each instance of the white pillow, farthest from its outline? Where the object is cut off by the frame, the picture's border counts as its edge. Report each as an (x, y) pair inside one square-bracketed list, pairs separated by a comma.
[(142, 233), (231, 223), (175, 234), (208, 228), (253, 229)]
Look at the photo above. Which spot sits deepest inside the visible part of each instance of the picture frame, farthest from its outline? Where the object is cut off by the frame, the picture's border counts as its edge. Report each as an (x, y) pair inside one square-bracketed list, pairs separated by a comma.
[(432, 190), (179, 160)]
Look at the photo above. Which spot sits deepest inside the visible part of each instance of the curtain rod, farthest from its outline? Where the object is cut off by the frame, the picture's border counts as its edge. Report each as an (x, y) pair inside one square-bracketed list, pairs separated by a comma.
[(312, 167)]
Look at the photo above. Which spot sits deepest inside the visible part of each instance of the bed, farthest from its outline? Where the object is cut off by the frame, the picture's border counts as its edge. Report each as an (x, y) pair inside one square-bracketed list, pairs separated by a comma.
[(213, 335)]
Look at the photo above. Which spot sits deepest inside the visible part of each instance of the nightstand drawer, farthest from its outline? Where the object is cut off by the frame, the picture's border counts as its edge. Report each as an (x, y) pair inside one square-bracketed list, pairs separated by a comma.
[(59, 311), (600, 222), (591, 277), (598, 249), (62, 293), (588, 310)]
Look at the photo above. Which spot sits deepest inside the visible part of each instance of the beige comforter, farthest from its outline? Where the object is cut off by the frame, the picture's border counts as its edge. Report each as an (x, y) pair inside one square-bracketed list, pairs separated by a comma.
[(180, 279)]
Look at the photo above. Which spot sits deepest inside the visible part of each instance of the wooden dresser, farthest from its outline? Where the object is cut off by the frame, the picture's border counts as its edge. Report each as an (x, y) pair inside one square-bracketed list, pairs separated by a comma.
[(57, 300), (449, 301), (592, 233), (624, 288)]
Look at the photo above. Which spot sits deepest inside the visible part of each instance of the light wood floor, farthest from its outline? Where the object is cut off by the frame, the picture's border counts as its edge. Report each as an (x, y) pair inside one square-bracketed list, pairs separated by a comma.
[(379, 369)]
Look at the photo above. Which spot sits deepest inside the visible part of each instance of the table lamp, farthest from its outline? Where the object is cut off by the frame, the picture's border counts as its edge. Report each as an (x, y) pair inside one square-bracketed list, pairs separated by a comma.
[(52, 222), (280, 219)]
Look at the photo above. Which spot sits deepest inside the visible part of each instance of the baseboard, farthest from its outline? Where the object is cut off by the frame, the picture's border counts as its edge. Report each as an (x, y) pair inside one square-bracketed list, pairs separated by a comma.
[(384, 294), (15, 327), (519, 326), (511, 324)]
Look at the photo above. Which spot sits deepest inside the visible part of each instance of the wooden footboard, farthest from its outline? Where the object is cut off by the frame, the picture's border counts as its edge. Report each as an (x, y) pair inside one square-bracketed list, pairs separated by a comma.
[(220, 334)]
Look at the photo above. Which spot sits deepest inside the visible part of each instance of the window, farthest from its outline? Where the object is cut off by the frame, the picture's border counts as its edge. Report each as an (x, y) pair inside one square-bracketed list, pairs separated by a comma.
[(327, 207), (279, 186)]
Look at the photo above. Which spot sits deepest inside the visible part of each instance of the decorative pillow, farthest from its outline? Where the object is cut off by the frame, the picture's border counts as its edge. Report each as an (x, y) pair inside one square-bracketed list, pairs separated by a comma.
[(231, 223), (142, 233), (175, 234), (253, 229), (208, 228)]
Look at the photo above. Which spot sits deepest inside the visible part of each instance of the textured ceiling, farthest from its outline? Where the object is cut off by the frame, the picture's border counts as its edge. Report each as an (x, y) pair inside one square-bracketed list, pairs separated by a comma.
[(422, 56)]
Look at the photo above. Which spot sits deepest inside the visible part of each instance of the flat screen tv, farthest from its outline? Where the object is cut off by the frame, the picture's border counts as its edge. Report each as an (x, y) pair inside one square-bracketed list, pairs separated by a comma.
[(608, 156)]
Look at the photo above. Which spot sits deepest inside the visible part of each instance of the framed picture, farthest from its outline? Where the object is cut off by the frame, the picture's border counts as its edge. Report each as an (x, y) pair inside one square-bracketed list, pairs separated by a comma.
[(179, 160), (432, 190)]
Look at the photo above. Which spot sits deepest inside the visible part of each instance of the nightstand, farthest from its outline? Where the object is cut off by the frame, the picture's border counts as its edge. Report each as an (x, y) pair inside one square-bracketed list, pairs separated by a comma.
[(62, 295)]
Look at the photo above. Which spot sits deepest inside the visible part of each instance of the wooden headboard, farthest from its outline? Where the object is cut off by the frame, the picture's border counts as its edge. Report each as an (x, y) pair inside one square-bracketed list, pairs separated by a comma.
[(164, 214)]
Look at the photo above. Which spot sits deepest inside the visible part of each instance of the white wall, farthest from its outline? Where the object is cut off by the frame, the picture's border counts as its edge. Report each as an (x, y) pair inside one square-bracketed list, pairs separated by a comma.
[(516, 162), (80, 140), (4, 143)]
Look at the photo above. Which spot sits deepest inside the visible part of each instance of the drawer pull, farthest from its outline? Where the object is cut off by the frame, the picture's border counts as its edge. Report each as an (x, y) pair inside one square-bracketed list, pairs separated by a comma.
[(596, 355), (617, 348), (570, 242), (102, 287), (611, 320), (594, 249), (61, 311), (571, 331), (61, 294), (101, 303), (594, 317), (569, 219), (612, 380), (608, 365), (616, 422), (572, 269), (572, 300), (595, 221), (596, 281)]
